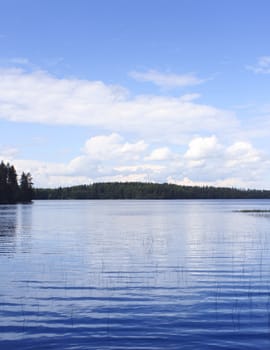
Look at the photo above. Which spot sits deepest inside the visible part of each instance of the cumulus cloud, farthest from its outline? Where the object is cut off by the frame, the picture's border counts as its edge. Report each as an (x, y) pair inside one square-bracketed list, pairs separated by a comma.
[(166, 80), (228, 182), (262, 65), (159, 154), (103, 158), (142, 177), (143, 167), (141, 138), (103, 153), (241, 154), (108, 147), (203, 147), (41, 98), (206, 161)]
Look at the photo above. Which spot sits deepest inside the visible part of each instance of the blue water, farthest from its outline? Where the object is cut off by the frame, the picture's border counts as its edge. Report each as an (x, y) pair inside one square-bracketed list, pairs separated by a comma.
[(135, 275)]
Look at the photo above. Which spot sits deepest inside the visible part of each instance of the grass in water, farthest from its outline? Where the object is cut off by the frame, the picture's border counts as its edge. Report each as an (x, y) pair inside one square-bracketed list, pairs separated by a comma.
[(253, 211)]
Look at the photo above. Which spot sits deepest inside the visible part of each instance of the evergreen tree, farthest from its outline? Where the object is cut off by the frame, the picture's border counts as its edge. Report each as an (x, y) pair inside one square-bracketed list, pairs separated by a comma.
[(10, 191), (137, 190), (13, 188), (26, 187), (3, 182)]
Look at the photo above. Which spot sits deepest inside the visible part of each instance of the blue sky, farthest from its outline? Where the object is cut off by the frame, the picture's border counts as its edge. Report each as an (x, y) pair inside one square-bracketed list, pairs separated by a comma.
[(164, 91)]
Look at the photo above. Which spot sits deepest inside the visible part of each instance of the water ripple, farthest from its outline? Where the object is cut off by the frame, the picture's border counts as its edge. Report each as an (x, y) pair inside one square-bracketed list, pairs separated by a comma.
[(136, 275)]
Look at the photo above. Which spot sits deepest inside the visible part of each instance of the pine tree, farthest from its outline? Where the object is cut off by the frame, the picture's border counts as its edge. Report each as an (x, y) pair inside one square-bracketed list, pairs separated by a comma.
[(3, 183), (10, 191), (12, 183), (26, 187)]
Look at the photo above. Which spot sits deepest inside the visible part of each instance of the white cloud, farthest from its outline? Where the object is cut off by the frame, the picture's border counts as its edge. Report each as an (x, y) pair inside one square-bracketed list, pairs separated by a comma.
[(163, 145), (108, 147), (143, 177), (196, 163), (52, 181), (159, 154), (241, 154), (209, 162), (228, 182), (166, 80), (189, 97), (41, 98), (111, 158), (262, 66), (8, 153), (20, 60), (143, 167), (203, 147)]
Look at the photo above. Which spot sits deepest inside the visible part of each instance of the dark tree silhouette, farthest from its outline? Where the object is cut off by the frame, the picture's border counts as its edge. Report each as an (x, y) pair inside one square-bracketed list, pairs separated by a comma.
[(138, 190), (26, 187), (3, 183), (10, 191), (13, 188)]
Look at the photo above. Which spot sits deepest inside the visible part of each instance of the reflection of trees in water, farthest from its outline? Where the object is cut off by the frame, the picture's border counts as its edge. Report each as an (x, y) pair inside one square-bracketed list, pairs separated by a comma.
[(15, 228), (25, 227), (8, 228)]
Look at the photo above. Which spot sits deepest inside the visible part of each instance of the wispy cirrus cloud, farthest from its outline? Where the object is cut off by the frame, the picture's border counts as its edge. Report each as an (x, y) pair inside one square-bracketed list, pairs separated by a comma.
[(20, 61), (262, 66), (8, 152), (167, 80)]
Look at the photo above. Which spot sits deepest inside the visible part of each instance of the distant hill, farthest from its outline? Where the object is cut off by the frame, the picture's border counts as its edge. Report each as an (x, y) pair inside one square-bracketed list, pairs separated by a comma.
[(139, 190)]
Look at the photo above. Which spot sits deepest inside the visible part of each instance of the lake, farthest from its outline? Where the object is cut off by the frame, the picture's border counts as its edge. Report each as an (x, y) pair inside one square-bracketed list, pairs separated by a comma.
[(135, 275)]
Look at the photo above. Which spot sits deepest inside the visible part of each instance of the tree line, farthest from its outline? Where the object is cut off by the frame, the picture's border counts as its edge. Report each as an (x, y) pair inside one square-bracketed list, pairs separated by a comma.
[(10, 190), (139, 190)]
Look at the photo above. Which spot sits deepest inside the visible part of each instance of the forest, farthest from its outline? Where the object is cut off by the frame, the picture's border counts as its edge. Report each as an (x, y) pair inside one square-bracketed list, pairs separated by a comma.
[(22, 191), (11, 191), (139, 190)]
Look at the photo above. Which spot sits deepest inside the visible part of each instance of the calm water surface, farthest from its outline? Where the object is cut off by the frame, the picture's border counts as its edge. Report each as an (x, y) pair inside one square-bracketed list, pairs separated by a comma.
[(135, 275)]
